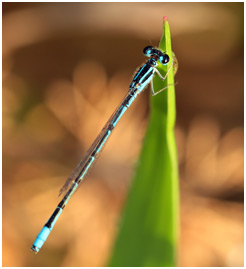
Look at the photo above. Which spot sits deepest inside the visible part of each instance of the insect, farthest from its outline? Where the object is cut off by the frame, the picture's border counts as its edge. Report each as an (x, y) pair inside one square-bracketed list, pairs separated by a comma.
[(142, 78)]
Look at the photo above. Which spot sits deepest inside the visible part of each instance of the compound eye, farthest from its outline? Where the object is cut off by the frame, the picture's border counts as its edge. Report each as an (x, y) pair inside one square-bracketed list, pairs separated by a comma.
[(164, 59), (148, 51)]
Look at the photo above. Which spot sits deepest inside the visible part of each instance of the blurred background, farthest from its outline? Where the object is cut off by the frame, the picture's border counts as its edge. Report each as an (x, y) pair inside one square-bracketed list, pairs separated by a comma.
[(66, 67)]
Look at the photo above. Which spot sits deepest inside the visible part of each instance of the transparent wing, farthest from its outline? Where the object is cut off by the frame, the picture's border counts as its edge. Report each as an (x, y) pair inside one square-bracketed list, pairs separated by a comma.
[(114, 117)]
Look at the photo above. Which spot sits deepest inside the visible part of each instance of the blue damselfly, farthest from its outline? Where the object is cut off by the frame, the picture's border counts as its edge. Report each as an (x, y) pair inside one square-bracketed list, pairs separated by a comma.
[(142, 78)]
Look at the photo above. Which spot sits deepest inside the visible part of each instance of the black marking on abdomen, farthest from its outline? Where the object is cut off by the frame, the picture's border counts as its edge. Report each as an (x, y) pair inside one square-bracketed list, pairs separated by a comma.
[(53, 216)]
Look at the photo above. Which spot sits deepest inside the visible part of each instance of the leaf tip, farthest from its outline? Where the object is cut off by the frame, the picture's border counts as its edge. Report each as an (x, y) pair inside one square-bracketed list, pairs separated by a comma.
[(164, 18)]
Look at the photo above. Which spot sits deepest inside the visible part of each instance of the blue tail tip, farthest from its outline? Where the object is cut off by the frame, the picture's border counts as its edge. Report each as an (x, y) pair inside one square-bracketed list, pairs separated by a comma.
[(35, 249)]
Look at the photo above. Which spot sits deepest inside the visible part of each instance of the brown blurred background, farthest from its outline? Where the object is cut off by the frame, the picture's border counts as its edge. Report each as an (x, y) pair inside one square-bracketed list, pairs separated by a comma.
[(65, 69)]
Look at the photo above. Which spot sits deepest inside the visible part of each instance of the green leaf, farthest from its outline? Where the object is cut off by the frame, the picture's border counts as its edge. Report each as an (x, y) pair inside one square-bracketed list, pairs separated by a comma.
[(149, 229)]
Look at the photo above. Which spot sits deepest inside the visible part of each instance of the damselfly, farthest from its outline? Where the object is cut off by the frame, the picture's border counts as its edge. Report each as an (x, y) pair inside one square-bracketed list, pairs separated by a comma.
[(142, 78)]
